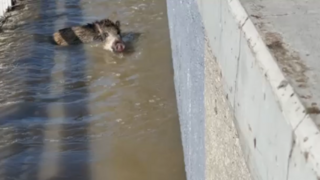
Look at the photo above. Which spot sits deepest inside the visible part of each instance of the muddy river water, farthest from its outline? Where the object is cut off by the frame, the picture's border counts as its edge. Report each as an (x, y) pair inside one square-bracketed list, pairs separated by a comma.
[(82, 113)]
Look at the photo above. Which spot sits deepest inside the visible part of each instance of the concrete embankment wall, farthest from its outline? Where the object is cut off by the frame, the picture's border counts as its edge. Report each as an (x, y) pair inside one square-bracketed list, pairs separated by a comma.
[(4, 4), (239, 116)]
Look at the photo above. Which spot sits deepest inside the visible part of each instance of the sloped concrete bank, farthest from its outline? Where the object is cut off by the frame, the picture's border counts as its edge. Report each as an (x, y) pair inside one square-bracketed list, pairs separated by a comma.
[(241, 115)]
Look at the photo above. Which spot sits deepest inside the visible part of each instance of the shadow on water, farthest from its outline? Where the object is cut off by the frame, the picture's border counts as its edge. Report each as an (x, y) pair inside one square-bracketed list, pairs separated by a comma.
[(46, 132), (75, 156), (24, 122), (130, 39), (23, 125)]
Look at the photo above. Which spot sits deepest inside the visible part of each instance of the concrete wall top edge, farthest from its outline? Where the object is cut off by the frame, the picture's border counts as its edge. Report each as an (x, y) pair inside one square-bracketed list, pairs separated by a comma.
[(289, 30), (297, 113)]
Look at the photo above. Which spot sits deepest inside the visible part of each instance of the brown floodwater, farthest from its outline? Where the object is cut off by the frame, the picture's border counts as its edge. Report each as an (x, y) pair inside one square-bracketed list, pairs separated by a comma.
[(81, 112)]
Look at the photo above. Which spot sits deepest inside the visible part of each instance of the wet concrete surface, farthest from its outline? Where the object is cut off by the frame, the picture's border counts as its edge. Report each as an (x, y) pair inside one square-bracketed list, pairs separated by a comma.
[(81, 112)]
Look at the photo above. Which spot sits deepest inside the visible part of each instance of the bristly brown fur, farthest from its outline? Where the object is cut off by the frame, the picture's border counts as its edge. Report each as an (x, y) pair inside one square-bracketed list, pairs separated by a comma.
[(85, 33), (106, 23)]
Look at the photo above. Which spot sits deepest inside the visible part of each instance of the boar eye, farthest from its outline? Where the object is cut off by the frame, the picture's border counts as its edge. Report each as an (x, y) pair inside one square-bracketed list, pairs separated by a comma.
[(103, 36), (117, 23)]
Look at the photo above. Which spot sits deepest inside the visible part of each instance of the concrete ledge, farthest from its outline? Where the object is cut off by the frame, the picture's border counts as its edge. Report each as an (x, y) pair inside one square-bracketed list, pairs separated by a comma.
[(279, 139), (210, 143), (4, 5)]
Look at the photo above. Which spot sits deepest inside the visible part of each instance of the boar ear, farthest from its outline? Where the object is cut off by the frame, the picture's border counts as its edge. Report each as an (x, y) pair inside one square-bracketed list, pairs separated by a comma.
[(118, 23), (98, 27)]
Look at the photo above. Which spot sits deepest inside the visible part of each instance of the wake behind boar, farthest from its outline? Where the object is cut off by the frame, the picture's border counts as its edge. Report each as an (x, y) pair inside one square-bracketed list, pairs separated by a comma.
[(105, 30)]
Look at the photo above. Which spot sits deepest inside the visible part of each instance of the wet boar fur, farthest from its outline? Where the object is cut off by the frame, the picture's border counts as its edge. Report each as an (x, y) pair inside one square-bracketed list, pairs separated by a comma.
[(96, 31)]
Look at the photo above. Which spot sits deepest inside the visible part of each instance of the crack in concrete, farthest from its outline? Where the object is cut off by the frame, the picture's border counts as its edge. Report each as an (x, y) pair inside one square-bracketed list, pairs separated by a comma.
[(293, 142), (247, 18), (295, 128), (237, 74)]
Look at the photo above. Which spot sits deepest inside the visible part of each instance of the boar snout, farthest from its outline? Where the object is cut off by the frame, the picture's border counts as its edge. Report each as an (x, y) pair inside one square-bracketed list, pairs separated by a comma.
[(118, 46)]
